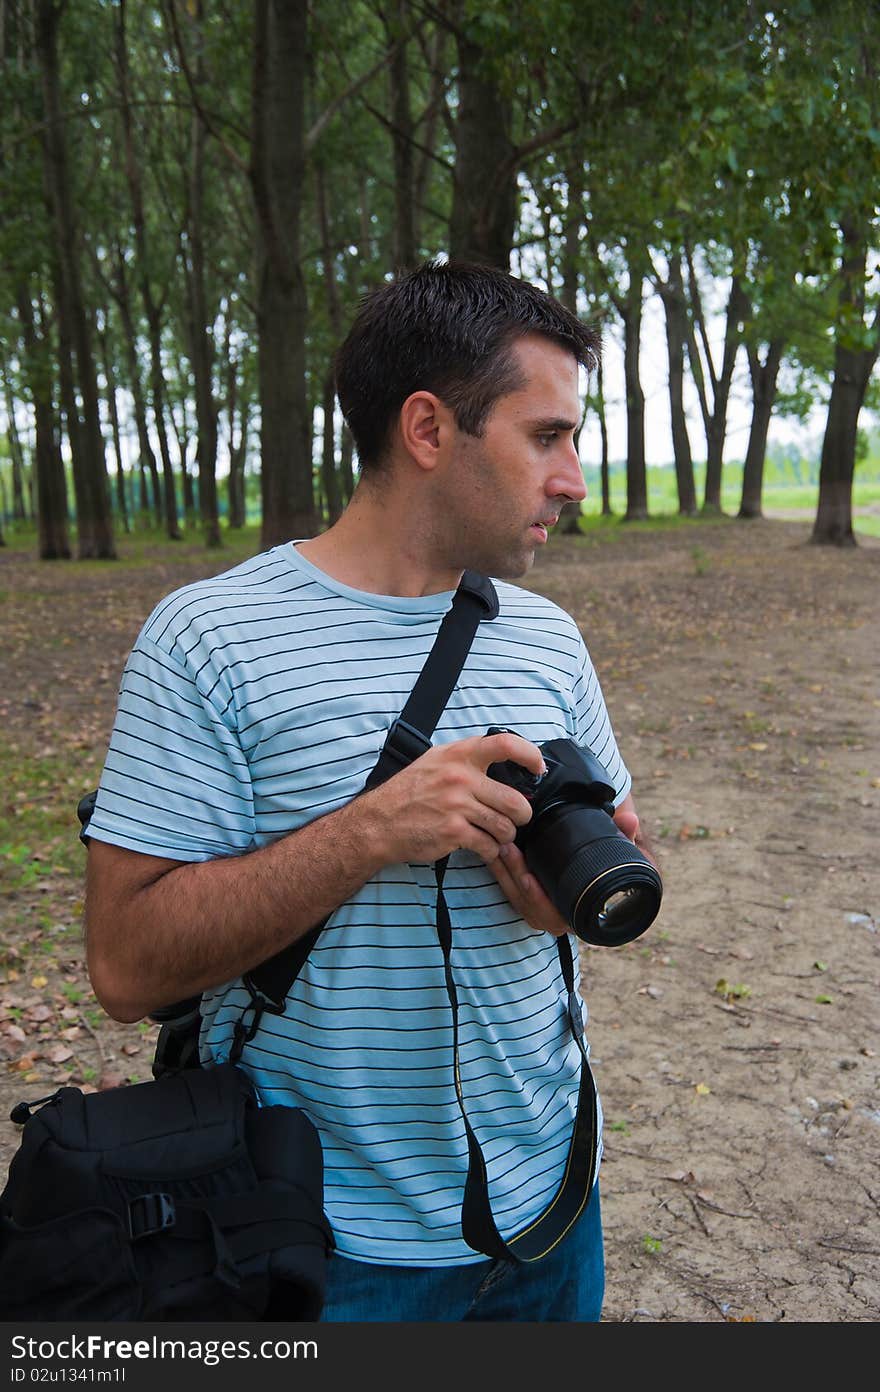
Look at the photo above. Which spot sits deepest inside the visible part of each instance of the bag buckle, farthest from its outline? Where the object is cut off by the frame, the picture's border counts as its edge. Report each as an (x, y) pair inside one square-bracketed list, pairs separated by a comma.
[(149, 1214), (403, 744)]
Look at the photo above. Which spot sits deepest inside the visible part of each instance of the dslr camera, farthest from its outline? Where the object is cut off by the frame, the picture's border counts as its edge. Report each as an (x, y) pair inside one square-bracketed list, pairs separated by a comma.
[(603, 886)]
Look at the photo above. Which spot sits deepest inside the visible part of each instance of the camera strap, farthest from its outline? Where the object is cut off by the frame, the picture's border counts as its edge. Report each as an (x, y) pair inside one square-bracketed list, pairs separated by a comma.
[(549, 1228)]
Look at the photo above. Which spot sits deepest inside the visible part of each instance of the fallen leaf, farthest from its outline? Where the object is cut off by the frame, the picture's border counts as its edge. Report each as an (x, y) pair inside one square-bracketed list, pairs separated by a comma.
[(702, 1089), (38, 982), (61, 1054)]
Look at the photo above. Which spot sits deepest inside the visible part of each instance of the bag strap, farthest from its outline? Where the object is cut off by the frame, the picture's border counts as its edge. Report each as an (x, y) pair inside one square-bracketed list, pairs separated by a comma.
[(475, 600)]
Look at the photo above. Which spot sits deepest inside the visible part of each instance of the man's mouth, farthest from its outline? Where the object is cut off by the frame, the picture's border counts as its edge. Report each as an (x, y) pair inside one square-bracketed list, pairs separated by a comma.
[(541, 528)]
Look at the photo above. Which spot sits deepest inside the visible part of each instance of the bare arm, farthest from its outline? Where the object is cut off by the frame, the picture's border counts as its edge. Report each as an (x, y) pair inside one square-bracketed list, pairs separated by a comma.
[(160, 930)]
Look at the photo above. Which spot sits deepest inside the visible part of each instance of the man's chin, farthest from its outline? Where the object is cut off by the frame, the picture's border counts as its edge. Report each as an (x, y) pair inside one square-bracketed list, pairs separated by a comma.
[(513, 567)]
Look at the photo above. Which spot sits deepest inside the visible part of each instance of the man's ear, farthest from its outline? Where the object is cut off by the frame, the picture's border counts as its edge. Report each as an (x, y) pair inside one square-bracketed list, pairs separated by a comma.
[(426, 427)]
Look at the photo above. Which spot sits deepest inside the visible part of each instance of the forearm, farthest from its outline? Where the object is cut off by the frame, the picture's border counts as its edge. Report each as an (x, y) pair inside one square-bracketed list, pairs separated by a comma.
[(181, 928), (158, 931)]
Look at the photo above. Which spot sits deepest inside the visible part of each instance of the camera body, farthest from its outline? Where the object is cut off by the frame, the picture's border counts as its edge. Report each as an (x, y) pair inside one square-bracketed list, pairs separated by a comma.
[(607, 890)]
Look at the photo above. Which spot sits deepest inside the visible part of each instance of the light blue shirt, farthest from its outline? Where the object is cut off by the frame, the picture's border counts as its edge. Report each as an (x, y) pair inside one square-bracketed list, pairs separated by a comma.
[(258, 700)]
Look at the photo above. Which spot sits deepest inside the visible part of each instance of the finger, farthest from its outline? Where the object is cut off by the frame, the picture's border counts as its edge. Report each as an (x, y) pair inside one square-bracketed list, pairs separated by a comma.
[(627, 822), (506, 801), (525, 893), (496, 749), (501, 828)]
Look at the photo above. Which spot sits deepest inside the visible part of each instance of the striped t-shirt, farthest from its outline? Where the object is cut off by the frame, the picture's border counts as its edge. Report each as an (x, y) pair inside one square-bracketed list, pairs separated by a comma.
[(258, 700)]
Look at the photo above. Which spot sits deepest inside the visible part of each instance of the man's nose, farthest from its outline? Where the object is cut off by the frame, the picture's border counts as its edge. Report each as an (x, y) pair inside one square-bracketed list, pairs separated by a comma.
[(569, 482)]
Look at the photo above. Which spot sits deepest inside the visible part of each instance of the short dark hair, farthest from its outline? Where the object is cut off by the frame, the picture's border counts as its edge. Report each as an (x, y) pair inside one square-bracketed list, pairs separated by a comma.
[(449, 328)]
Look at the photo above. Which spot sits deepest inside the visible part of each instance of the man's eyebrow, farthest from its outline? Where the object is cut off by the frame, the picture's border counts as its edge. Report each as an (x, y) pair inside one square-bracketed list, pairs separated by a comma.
[(554, 423)]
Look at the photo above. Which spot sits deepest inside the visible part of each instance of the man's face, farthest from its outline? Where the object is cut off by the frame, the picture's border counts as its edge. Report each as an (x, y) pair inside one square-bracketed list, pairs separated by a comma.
[(506, 487)]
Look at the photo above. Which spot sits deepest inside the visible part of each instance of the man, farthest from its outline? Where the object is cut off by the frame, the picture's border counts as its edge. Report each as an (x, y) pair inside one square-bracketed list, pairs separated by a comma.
[(231, 817)]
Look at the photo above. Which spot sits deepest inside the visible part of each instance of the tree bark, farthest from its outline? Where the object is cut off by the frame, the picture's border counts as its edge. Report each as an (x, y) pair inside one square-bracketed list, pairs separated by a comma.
[(395, 18), (235, 498), (672, 294), (764, 378), (16, 454), (51, 485), (484, 198), (94, 518), (148, 468), (277, 160), (121, 500), (714, 418), (852, 372), (203, 351), (569, 518), (636, 471), (330, 478), (152, 308)]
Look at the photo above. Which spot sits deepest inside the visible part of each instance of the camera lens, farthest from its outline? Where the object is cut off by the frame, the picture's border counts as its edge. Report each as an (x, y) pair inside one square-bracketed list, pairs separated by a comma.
[(606, 889)]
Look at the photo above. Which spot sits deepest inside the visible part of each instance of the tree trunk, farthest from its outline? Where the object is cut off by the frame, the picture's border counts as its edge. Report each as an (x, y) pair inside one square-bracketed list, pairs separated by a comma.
[(203, 352), (764, 377), (235, 499), (329, 472), (737, 307), (672, 295), (604, 467), (182, 435), (346, 462), (16, 454), (277, 159), (94, 518), (331, 481), (636, 471), (852, 373), (438, 67), (152, 310), (147, 466), (569, 518), (404, 233), (51, 485), (121, 502), (484, 192)]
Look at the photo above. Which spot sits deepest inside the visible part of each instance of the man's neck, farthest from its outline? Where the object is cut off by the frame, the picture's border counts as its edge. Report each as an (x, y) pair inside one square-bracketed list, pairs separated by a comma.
[(378, 545)]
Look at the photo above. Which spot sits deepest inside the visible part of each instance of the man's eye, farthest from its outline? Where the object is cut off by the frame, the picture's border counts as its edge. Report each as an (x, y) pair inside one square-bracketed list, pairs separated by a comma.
[(547, 437)]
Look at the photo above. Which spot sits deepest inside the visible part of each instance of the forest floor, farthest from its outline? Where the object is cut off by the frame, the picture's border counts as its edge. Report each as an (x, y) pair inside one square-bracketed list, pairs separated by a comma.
[(736, 1044)]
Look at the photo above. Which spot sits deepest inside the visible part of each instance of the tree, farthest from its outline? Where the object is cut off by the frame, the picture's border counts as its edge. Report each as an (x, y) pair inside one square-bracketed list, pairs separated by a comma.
[(93, 514), (277, 168)]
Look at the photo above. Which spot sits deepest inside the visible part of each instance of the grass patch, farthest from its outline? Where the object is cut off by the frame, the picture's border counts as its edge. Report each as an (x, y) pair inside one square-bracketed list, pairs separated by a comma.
[(39, 831)]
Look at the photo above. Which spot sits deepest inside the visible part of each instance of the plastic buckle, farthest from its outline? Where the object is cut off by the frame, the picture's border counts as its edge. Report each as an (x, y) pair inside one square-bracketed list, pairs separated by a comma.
[(404, 744), (150, 1213)]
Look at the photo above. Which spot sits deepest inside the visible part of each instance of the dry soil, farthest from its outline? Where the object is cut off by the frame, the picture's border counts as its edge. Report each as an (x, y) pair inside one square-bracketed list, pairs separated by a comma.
[(735, 1044)]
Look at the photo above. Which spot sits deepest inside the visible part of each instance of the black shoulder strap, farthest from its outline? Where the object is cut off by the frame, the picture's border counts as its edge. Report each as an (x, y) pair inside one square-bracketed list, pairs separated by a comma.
[(409, 736)]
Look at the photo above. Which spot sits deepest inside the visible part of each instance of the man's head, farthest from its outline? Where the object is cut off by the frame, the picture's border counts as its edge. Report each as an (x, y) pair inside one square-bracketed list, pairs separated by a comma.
[(451, 329)]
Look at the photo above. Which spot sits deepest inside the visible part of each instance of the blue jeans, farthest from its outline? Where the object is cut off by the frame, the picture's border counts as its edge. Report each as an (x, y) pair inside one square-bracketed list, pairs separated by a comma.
[(568, 1285)]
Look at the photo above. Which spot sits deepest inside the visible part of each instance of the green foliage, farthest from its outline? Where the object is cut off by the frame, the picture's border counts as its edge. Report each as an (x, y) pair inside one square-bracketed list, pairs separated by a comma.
[(750, 136)]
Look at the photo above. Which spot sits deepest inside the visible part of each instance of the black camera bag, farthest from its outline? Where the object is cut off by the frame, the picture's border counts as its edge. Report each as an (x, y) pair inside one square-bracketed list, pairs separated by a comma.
[(178, 1199)]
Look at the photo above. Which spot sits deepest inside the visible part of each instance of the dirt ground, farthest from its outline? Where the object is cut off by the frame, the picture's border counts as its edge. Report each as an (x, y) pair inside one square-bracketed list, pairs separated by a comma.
[(736, 1044)]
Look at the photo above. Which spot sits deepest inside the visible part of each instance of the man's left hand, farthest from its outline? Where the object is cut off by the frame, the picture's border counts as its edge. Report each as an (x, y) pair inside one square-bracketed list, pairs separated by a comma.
[(522, 888), (525, 894)]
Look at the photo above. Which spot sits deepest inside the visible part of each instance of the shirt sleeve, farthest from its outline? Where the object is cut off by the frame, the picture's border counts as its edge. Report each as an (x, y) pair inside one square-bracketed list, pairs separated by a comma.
[(594, 726), (175, 782)]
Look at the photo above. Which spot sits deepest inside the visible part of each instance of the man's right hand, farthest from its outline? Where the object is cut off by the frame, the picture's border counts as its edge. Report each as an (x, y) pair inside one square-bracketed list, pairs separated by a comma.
[(160, 930), (445, 801)]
